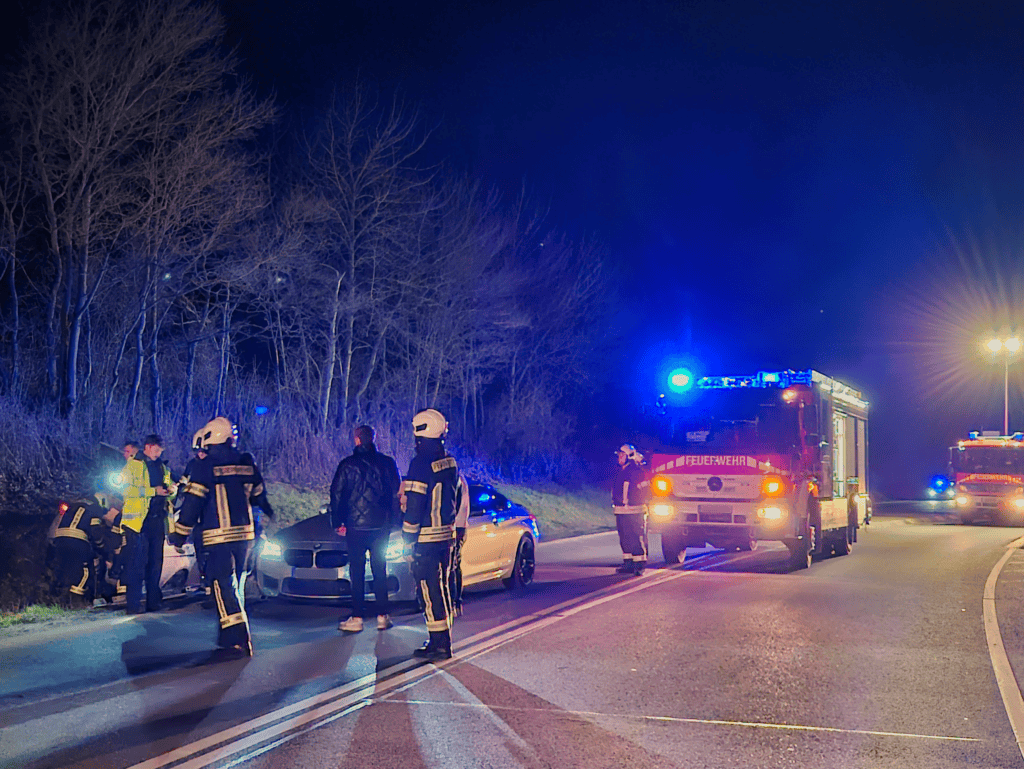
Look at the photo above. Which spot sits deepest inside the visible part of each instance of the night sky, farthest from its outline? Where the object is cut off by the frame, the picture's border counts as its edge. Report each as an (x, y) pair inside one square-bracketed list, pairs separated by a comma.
[(826, 185)]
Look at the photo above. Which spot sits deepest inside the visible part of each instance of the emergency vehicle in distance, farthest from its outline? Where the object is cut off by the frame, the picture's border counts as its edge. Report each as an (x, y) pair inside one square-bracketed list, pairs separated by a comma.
[(988, 470), (781, 455)]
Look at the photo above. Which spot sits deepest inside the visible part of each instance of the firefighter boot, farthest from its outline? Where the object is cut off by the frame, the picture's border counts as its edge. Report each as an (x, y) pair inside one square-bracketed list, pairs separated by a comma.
[(638, 567), (439, 647), (625, 568)]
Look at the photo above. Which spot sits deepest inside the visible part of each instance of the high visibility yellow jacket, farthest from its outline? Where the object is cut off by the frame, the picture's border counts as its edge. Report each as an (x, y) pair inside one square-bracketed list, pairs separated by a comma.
[(137, 493)]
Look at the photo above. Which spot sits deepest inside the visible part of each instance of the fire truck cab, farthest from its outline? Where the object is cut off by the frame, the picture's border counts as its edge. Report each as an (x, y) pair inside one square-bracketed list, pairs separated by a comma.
[(988, 471), (781, 455)]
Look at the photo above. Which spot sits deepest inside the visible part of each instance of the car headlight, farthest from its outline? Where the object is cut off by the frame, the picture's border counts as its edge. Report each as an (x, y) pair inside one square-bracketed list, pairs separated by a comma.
[(662, 511), (772, 514), (271, 551), (396, 550)]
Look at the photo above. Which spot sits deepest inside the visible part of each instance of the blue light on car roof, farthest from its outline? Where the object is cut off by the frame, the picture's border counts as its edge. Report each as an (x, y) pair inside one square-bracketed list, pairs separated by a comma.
[(483, 497)]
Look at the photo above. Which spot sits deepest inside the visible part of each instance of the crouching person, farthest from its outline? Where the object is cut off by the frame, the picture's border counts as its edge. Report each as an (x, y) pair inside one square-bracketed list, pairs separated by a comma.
[(77, 541)]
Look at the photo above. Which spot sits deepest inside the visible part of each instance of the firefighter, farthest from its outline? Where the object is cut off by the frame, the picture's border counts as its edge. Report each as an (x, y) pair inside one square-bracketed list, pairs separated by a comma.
[(221, 492), (629, 495), (455, 566), (78, 540), (138, 491), (428, 526)]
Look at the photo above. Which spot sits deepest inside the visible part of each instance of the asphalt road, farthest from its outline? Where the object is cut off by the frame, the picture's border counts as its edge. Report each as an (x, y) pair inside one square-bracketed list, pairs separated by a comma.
[(877, 659)]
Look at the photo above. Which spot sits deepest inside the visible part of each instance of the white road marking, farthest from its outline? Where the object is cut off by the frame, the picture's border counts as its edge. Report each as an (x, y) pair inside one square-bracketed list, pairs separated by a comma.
[(1013, 702), (699, 721), (324, 708)]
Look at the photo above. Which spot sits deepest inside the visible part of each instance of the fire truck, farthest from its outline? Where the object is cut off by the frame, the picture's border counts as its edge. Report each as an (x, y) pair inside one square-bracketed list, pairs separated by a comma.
[(988, 470), (780, 455)]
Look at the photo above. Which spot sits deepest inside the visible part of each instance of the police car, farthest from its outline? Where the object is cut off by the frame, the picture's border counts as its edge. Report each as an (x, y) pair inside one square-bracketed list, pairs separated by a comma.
[(310, 560)]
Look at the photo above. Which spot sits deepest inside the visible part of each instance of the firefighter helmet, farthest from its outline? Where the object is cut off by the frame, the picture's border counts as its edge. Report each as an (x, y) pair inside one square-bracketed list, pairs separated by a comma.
[(218, 430), (429, 423), (629, 450)]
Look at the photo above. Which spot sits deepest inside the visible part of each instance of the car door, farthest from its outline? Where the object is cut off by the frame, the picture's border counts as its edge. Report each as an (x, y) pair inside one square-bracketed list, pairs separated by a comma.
[(483, 550)]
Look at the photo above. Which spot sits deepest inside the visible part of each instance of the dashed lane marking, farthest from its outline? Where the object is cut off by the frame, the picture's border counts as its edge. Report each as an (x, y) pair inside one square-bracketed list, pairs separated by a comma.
[(697, 721)]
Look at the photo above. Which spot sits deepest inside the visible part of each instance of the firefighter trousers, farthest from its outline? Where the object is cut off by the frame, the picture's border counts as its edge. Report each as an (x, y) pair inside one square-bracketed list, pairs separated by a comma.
[(76, 569), (225, 568), (632, 529), (430, 562)]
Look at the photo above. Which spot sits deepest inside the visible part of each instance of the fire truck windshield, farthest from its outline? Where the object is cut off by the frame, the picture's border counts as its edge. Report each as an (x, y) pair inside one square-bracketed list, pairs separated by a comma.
[(1008, 460), (729, 420)]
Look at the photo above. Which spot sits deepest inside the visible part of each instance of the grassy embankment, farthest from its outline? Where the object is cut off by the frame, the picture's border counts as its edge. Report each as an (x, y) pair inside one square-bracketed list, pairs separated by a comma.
[(560, 513)]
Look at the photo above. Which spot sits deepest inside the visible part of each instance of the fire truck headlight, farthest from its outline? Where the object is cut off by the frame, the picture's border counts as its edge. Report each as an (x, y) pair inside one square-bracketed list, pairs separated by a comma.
[(772, 514), (1018, 502), (962, 501), (662, 511)]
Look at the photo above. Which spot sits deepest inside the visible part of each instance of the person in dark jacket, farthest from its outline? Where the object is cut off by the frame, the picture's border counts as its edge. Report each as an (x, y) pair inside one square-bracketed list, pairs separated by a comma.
[(429, 527), (629, 496), (221, 492), (364, 510)]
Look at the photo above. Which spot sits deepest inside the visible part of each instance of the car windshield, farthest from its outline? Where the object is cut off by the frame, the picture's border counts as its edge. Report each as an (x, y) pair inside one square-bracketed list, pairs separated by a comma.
[(989, 459), (483, 499), (728, 420)]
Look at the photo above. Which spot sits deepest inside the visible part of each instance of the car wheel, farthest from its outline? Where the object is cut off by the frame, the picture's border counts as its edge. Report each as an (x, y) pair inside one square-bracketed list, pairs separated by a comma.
[(523, 568)]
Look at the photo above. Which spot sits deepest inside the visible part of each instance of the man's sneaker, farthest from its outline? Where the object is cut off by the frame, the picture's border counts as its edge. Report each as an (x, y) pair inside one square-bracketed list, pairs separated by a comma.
[(384, 622), (351, 625), (432, 652)]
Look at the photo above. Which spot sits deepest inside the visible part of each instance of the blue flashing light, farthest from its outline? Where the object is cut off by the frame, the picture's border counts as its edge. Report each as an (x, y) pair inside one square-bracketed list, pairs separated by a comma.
[(940, 482), (680, 380), (1017, 437), (763, 379), (974, 435), (261, 410)]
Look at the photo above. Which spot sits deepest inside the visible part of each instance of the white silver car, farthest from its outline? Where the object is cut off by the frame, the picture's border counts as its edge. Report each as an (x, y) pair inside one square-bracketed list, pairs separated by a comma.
[(310, 560)]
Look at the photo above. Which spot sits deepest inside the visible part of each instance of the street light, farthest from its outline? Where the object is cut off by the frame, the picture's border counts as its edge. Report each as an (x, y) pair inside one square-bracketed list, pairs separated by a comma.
[(1007, 347)]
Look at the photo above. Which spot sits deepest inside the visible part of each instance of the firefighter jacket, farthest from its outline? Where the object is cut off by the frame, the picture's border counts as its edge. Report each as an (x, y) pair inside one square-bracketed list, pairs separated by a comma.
[(83, 520), (221, 490), (430, 488), (137, 493), (629, 489), (364, 492)]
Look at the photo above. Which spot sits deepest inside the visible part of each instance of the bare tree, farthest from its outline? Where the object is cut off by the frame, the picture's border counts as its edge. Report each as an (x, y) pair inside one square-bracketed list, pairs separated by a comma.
[(106, 92)]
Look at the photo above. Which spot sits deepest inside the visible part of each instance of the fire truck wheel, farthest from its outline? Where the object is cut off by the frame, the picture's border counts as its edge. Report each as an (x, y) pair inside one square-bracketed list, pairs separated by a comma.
[(800, 553), (843, 543), (746, 546), (671, 547)]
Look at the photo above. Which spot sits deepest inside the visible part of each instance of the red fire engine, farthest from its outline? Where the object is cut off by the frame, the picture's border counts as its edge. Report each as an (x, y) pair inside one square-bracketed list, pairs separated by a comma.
[(988, 471), (781, 455)]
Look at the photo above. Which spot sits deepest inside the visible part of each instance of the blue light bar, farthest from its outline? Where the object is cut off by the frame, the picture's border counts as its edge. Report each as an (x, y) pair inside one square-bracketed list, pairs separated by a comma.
[(763, 379)]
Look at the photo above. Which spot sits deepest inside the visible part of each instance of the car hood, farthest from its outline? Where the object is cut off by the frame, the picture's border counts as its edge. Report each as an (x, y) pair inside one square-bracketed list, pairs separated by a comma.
[(315, 529)]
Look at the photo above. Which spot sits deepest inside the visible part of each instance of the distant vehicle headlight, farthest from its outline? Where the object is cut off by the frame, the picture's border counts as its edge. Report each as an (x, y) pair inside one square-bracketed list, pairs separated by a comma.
[(931, 492), (662, 511), (1018, 502), (396, 550), (962, 500), (271, 551)]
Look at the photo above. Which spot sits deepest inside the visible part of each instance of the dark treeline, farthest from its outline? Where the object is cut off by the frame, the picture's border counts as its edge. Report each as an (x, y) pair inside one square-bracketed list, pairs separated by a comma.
[(160, 266)]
